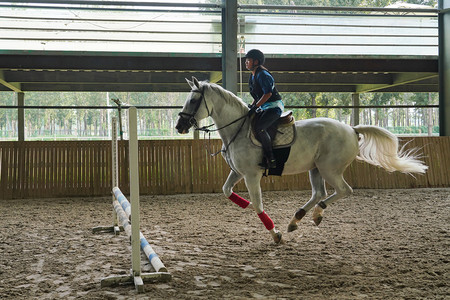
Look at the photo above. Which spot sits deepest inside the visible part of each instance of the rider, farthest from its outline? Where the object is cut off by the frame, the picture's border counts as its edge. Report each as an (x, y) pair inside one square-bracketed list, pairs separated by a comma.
[(266, 98)]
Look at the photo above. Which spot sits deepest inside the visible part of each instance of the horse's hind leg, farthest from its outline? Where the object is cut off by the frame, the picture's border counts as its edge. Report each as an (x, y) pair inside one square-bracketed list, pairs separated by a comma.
[(318, 193), (341, 188)]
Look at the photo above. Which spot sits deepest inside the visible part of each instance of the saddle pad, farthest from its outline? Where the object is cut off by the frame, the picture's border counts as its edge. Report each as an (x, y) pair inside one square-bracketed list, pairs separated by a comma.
[(285, 137), (281, 155)]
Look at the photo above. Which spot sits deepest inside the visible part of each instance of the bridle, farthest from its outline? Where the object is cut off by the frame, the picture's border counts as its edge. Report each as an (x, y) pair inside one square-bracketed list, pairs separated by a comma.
[(190, 117)]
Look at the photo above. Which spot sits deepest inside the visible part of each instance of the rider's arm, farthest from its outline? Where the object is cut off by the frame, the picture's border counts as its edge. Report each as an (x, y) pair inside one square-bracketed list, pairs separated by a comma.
[(263, 99), (266, 82)]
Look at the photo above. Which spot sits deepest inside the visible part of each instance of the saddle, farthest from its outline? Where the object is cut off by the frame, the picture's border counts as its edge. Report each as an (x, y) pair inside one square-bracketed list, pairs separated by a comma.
[(282, 132), (286, 118)]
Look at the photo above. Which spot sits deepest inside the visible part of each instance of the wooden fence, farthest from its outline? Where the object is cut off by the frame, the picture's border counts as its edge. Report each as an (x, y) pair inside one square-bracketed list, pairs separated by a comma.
[(83, 168)]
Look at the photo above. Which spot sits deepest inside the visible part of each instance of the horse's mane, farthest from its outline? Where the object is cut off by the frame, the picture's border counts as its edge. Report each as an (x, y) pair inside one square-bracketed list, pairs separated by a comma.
[(226, 95)]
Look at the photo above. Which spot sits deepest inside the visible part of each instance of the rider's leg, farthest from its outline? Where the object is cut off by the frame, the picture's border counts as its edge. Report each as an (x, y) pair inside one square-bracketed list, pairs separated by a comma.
[(268, 118), (266, 142)]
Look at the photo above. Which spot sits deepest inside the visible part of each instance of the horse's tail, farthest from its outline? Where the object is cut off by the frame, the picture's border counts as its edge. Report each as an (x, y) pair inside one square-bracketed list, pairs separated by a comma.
[(379, 147)]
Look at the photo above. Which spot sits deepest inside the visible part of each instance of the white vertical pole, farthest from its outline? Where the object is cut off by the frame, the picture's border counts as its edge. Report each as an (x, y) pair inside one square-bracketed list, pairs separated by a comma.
[(115, 164), (108, 114), (134, 192)]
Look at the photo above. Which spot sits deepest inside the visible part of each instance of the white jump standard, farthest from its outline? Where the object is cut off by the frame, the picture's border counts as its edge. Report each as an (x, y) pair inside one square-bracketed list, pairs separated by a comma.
[(123, 211)]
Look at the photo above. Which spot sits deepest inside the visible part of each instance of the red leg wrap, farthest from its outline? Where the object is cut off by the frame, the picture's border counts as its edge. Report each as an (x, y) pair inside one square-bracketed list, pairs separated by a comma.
[(267, 221), (239, 200)]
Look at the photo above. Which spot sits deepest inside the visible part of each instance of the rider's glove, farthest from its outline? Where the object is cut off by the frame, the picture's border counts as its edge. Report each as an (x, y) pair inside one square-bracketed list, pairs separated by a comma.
[(252, 110)]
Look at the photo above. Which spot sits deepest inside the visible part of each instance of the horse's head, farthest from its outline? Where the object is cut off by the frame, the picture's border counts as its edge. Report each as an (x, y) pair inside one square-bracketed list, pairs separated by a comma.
[(193, 110)]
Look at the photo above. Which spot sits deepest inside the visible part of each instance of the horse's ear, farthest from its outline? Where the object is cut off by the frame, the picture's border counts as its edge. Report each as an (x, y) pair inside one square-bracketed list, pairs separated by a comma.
[(197, 84), (191, 84)]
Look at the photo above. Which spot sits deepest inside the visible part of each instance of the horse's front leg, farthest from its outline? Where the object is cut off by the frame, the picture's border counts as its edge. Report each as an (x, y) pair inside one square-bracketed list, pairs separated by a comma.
[(232, 180), (254, 189)]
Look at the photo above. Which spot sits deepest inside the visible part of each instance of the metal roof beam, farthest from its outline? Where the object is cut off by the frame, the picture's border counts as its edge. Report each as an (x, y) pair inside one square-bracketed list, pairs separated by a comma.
[(101, 87), (398, 79), (366, 64), (110, 62), (338, 78), (116, 77), (12, 86)]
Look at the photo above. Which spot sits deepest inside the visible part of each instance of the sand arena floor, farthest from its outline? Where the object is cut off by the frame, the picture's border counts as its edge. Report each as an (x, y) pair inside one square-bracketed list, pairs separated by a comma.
[(375, 244)]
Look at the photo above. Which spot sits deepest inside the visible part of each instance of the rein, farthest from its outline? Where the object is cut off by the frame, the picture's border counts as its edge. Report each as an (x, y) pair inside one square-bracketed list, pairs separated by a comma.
[(208, 131)]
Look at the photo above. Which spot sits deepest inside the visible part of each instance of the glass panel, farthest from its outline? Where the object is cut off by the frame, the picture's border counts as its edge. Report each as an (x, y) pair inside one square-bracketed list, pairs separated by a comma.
[(125, 29)]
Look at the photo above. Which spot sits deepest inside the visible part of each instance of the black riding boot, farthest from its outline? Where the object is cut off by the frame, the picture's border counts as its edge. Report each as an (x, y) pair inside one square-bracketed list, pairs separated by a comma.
[(266, 142)]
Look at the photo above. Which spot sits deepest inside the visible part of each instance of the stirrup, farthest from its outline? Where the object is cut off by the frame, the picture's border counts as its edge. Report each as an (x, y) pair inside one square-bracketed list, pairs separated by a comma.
[(272, 164), (268, 164)]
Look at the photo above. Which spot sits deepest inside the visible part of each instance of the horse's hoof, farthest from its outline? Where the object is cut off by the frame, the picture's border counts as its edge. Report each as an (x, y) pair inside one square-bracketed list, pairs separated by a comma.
[(277, 238), (318, 220), (292, 227), (317, 215)]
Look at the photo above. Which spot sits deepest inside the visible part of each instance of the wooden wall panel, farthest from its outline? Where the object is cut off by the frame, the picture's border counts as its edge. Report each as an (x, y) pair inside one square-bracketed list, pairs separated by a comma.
[(83, 168)]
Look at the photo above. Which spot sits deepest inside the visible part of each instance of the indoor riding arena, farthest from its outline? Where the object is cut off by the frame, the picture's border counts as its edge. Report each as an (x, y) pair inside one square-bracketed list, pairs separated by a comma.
[(381, 242), (131, 215)]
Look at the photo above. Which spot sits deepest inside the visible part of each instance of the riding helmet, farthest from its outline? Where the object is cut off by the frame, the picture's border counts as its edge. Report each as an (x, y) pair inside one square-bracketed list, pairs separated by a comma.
[(256, 54)]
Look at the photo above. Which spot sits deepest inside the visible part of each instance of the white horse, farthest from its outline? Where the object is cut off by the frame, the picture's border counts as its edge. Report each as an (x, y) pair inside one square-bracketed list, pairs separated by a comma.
[(324, 147)]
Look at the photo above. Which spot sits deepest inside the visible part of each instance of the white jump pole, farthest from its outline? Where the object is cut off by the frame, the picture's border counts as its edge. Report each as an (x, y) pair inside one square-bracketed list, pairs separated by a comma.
[(134, 195), (124, 220), (123, 201), (114, 169)]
